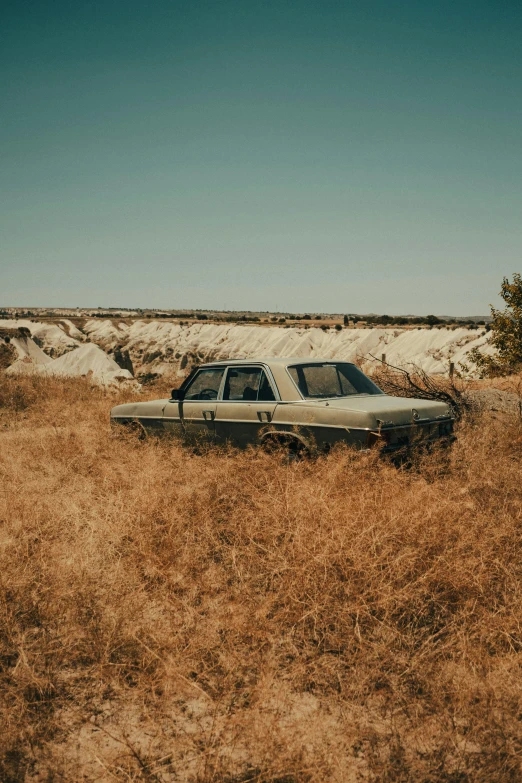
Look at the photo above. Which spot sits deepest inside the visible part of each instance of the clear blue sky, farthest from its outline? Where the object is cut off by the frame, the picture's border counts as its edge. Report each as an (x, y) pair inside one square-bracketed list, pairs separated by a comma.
[(325, 156)]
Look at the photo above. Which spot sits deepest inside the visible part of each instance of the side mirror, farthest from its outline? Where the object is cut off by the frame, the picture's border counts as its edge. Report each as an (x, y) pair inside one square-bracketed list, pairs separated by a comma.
[(177, 394)]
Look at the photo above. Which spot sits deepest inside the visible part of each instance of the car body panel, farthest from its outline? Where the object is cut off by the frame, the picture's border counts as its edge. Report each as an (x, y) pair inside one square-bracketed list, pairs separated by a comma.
[(243, 423), (172, 423), (149, 414), (356, 419), (198, 419), (371, 410)]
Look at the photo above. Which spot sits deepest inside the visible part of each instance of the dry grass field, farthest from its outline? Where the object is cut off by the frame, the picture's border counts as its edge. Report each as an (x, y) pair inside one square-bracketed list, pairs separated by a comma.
[(168, 615)]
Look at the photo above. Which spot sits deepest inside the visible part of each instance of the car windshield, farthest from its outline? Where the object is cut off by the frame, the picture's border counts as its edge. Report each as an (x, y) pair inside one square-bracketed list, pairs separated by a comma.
[(331, 379)]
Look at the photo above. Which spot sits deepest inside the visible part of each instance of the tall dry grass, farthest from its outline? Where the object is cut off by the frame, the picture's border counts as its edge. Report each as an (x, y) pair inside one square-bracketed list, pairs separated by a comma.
[(172, 616)]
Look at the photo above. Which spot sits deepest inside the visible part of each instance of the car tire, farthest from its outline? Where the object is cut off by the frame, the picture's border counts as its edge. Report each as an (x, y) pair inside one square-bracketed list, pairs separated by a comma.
[(134, 430), (292, 449)]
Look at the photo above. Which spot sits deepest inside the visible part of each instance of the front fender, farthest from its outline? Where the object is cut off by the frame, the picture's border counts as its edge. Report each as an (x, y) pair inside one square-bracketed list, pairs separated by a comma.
[(139, 410)]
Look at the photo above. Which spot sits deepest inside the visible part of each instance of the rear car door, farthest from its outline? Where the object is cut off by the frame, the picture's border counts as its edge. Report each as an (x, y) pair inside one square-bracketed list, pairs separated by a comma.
[(247, 405), (197, 410)]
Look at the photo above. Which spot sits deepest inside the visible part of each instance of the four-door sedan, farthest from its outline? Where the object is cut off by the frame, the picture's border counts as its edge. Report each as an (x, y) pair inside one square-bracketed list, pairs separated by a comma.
[(302, 404)]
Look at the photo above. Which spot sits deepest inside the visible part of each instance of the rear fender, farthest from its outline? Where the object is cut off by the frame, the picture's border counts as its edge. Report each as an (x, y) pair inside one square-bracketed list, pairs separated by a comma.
[(287, 437)]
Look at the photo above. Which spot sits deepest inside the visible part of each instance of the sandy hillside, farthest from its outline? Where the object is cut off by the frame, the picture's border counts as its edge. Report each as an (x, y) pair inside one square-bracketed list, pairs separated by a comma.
[(159, 345), (54, 338), (112, 350), (87, 360)]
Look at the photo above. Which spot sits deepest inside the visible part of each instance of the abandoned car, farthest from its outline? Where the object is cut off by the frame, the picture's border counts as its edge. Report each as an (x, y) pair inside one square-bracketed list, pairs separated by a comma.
[(301, 404)]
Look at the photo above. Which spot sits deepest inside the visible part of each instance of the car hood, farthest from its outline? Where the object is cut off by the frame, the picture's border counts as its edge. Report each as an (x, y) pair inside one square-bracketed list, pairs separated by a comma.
[(386, 410)]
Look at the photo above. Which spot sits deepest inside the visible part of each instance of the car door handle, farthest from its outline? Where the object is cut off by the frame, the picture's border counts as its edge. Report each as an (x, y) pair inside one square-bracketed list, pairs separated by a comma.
[(209, 415), (264, 416)]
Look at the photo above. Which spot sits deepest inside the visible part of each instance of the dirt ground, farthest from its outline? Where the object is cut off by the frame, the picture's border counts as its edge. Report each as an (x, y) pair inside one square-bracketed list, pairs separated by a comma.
[(171, 615)]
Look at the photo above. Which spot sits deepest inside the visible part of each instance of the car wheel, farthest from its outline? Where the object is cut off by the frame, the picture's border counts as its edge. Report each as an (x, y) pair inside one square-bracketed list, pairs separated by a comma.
[(134, 430), (291, 449)]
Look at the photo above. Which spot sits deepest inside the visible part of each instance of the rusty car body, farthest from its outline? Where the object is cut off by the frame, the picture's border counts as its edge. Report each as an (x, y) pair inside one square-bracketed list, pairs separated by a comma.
[(304, 404)]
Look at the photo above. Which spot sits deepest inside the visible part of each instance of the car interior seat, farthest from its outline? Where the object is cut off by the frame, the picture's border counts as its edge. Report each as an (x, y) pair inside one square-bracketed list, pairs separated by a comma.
[(249, 394)]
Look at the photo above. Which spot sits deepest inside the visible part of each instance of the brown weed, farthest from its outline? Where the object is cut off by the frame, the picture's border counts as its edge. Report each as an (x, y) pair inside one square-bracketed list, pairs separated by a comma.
[(229, 616)]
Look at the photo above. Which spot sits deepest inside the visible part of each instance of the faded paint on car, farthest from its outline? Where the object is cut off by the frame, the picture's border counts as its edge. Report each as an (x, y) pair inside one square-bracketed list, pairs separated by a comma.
[(357, 419)]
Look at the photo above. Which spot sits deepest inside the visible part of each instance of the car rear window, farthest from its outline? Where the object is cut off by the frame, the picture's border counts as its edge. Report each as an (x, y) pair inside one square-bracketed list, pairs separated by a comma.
[(331, 379)]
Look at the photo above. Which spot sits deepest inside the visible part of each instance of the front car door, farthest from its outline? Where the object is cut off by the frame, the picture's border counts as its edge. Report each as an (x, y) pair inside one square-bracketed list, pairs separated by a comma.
[(249, 399), (197, 411)]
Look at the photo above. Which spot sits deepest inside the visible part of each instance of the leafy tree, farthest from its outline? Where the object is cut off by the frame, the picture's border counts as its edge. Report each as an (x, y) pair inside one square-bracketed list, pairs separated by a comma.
[(506, 328)]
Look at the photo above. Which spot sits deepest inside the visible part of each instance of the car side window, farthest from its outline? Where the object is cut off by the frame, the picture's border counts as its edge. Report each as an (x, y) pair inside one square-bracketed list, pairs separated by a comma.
[(266, 393), (241, 383), (205, 385), (247, 384)]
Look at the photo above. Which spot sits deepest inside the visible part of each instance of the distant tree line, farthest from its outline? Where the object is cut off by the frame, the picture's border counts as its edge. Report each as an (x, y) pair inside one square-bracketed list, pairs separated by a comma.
[(417, 320)]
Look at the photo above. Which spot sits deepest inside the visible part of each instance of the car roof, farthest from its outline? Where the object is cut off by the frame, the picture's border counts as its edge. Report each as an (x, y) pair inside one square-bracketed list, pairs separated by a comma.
[(271, 361)]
